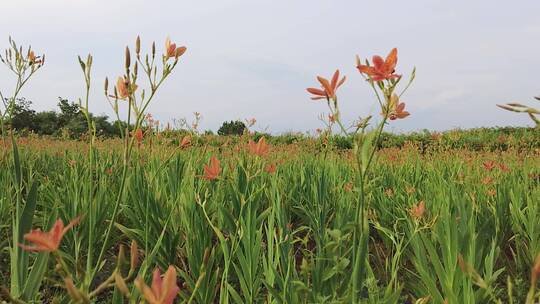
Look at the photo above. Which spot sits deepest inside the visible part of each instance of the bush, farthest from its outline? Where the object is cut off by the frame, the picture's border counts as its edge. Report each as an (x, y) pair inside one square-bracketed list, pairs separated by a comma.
[(232, 128)]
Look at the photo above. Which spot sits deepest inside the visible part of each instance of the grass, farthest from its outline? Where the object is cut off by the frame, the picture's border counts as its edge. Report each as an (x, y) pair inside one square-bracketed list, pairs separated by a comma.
[(253, 237)]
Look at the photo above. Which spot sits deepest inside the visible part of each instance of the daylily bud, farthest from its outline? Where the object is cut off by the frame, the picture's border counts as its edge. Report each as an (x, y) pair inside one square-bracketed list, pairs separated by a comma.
[(89, 60), (73, 292), (206, 256), (153, 49), (535, 271), (134, 252), (136, 68), (106, 85), (121, 284), (128, 58), (121, 255), (83, 65), (138, 45)]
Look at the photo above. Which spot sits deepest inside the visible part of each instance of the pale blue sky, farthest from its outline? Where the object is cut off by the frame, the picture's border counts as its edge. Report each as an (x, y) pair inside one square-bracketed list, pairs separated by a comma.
[(255, 58)]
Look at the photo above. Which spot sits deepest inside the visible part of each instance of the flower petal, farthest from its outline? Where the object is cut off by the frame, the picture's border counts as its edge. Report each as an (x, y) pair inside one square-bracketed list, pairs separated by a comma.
[(391, 60), (315, 91)]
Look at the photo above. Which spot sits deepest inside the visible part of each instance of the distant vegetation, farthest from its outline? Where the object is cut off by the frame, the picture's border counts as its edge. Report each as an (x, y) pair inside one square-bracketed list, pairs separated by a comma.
[(69, 122)]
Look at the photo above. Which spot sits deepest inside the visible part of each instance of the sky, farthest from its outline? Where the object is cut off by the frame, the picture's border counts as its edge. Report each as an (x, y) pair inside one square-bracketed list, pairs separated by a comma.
[(255, 58)]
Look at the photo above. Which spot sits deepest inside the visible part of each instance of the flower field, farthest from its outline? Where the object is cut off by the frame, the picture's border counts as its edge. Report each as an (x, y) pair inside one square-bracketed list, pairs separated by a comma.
[(202, 219)]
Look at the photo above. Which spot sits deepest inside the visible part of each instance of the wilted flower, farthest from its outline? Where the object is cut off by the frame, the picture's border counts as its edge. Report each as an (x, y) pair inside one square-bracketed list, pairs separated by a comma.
[(163, 290), (329, 88), (260, 148), (396, 108), (251, 122), (382, 68), (331, 118), (212, 171), (124, 88), (48, 241), (172, 51)]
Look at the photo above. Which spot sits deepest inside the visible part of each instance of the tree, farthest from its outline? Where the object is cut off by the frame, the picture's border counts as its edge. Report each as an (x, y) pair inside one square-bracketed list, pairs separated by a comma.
[(46, 123), (232, 128), (22, 116)]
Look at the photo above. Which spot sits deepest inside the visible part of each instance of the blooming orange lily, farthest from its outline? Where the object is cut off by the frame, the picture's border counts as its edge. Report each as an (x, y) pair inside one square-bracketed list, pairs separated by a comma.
[(48, 241), (186, 142), (163, 290), (329, 88), (212, 171), (172, 51), (33, 58), (260, 148), (417, 211), (382, 68)]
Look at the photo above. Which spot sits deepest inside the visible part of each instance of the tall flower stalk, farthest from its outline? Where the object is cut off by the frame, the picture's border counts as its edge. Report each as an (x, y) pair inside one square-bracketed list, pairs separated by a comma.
[(23, 64), (380, 75), (137, 102)]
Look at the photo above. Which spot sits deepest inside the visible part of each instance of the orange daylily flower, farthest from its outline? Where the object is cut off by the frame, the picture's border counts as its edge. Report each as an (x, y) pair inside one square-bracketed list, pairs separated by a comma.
[(489, 165), (212, 171), (186, 142), (270, 168), (139, 136), (164, 289), (172, 51), (33, 58), (417, 211), (329, 88), (48, 241), (504, 168), (399, 112), (488, 180), (124, 88), (260, 148), (382, 68)]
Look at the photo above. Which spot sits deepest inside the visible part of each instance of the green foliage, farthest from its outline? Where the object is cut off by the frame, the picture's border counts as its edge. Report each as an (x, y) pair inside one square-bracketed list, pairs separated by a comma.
[(286, 238), (69, 120), (232, 128)]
